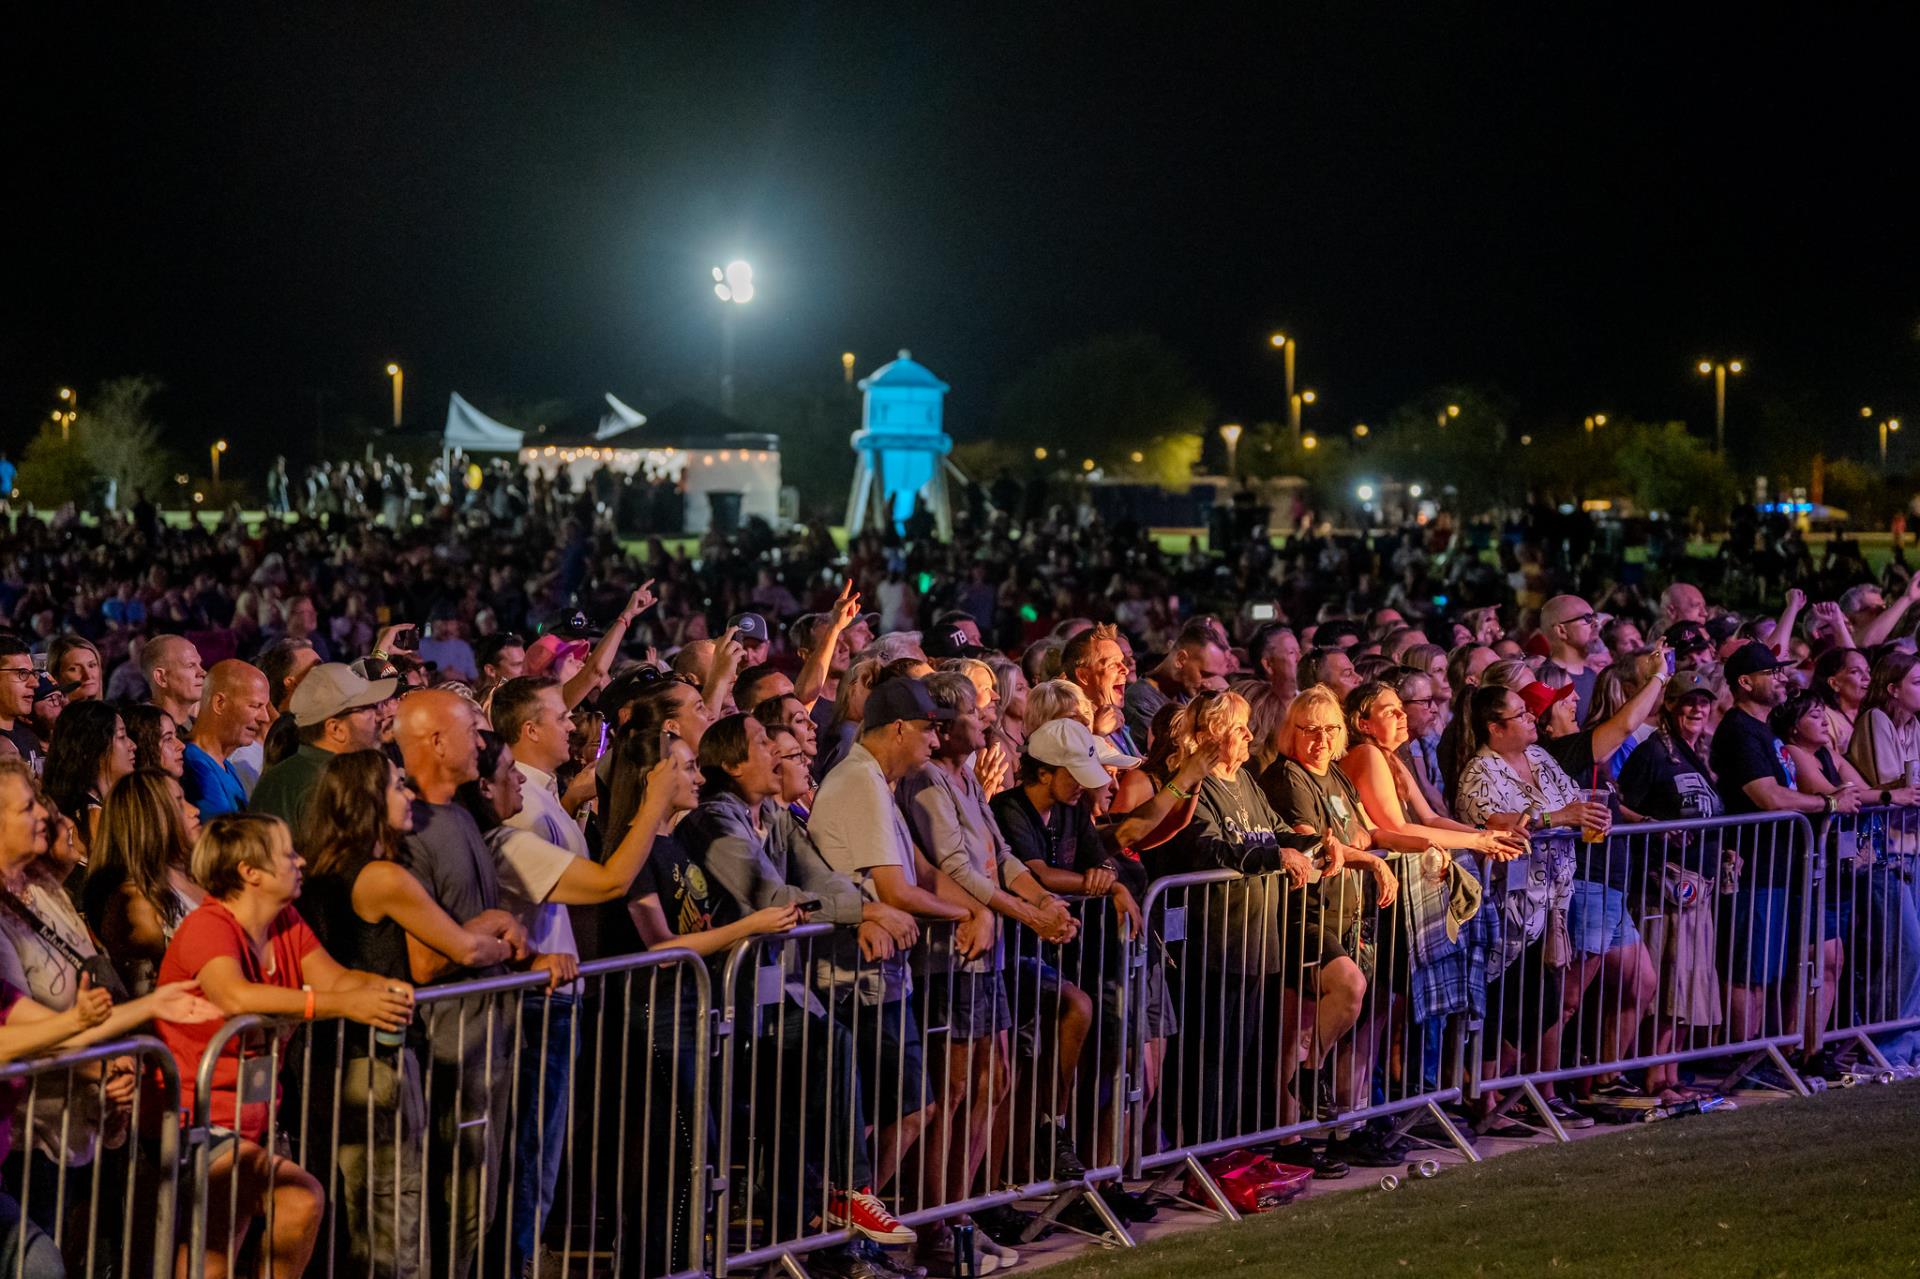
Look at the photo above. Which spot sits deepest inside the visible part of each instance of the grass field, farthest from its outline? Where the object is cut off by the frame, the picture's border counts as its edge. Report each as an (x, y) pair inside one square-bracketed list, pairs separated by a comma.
[(1829, 1185)]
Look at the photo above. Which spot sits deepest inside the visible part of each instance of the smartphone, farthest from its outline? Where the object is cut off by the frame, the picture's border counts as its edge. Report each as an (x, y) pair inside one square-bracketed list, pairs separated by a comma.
[(810, 905), (407, 639), (1670, 661), (1260, 612)]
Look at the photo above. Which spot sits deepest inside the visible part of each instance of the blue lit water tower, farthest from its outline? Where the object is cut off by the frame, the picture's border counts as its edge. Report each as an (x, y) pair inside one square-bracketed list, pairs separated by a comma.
[(900, 449)]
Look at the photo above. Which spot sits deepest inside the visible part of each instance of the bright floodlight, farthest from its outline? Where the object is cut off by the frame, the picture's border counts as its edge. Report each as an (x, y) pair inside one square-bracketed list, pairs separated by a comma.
[(1414, 490), (1734, 366), (1706, 366), (735, 283), (1364, 492), (1278, 339)]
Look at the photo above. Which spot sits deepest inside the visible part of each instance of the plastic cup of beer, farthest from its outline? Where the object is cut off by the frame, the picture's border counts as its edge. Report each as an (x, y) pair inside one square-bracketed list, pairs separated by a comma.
[(1593, 834)]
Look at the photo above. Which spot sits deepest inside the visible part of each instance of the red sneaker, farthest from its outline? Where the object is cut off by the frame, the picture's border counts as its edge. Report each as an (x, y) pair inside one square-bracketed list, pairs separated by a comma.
[(862, 1211)]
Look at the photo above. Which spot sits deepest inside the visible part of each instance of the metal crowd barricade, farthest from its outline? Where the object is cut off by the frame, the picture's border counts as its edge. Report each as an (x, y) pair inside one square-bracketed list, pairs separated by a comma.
[(98, 1179), (1870, 916), (1666, 942), (976, 1088), (1262, 1032), (442, 1151)]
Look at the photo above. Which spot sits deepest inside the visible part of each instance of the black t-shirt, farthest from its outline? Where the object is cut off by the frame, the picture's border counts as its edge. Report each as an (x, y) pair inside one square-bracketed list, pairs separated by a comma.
[(1302, 797), (1666, 782), (1745, 750), (1064, 839), (24, 741), (687, 897), (1574, 754)]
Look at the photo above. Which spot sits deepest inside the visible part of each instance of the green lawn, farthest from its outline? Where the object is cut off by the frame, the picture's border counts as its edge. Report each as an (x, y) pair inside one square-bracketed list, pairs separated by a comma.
[(1824, 1186)]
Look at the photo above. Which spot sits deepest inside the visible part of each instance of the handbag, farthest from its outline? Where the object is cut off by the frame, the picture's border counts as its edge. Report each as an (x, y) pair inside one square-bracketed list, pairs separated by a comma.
[(96, 967)]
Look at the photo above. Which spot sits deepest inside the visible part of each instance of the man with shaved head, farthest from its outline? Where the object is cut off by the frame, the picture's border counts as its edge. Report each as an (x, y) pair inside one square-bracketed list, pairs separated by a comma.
[(439, 737), (236, 713), (175, 677)]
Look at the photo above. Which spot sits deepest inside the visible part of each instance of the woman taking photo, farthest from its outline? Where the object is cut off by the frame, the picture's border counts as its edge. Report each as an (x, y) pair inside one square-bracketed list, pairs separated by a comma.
[(156, 738), (138, 886), (1511, 776), (89, 753)]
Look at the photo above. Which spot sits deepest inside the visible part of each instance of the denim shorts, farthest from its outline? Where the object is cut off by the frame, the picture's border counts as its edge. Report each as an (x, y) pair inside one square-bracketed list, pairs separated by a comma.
[(1597, 919)]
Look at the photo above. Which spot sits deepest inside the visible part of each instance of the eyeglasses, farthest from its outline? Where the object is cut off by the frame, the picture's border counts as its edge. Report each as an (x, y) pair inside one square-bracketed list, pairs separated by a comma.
[(20, 672), (1575, 621), (1508, 719), (1320, 730)]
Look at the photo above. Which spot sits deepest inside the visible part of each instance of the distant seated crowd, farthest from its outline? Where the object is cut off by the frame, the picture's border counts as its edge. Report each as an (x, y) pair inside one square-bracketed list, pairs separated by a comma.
[(188, 834)]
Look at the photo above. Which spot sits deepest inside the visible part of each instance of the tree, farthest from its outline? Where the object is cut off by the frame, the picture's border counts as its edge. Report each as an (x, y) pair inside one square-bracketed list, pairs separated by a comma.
[(1108, 398), (122, 440), (1665, 469), (54, 471)]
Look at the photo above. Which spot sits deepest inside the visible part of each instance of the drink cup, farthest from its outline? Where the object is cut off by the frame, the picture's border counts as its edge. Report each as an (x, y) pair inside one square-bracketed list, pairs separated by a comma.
[(1593, 834)]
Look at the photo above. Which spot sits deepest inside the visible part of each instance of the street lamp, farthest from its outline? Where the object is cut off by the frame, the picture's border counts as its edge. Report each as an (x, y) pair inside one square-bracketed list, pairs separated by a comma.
[(219, 447), (732, 284), (393, 371), (1294, 404), (1718, 372), (1593, 422), (1286, 346), (1451, 411), (1891, 424), (65, 419), (846, 366), (1231, 434), (1360, 430), (1309, 442)]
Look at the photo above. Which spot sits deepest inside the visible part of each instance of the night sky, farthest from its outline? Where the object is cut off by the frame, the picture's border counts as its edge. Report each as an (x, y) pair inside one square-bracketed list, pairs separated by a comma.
[(260, 205)]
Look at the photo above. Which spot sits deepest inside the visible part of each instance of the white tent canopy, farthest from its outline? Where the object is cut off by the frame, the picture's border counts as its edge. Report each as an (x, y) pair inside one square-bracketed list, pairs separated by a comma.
[(623, 418), (472, 431)]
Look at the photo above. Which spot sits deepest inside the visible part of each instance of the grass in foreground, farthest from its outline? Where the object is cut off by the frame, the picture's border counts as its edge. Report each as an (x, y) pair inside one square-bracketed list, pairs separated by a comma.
[(1824, 1186)]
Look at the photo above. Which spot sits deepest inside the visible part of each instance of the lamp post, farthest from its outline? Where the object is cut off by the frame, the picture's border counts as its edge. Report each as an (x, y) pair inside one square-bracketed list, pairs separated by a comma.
[(846, 367), (1886, 426), (393, 371), (71, 398), (1446, 414), (733, 285), (1286, 345), (218, 447), (1718, 370), (1593, 422), (1231, 434), (1294, 404)]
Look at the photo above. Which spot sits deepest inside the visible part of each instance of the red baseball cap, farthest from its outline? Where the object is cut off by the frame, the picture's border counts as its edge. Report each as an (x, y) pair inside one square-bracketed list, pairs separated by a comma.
[(1539, 697)]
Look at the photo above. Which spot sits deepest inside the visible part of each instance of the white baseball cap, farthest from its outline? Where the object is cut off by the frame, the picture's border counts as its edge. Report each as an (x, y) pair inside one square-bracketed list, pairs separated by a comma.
[(1069, 744)]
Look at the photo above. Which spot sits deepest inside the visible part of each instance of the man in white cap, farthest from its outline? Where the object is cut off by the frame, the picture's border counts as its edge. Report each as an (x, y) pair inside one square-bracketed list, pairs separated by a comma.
[(333, 709)]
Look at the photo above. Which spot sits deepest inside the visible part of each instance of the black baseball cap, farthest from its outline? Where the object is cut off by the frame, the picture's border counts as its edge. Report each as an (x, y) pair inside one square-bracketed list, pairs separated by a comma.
[(901, 699), (1752, 658), (1688, 637), (570, 625), (750, 626)]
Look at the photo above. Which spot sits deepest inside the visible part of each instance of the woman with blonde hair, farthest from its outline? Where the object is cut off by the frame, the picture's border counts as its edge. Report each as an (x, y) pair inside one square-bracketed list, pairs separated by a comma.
[(1265, 926), (73, 659), (1057, 699)]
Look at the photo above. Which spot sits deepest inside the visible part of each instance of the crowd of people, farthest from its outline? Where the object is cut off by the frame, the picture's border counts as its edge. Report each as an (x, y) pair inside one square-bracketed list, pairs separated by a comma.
[(309, 769)]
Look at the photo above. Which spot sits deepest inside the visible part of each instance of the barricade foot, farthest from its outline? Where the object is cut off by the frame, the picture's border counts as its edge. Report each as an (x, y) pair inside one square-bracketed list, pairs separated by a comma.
[(1197, 1174), (1541, 1108), (788, 1265), (1452, 1131), (1116, 1233)]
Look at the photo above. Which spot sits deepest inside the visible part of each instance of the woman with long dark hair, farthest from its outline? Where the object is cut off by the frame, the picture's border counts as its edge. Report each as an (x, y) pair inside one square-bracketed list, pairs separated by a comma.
[(157, 742), (373, 915), (1841, 679), (90, 751)]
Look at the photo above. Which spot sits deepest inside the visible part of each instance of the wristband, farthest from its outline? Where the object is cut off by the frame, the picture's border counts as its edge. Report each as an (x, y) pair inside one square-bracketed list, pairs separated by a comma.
[(310, 1001), (377, 655), (1177, 792)]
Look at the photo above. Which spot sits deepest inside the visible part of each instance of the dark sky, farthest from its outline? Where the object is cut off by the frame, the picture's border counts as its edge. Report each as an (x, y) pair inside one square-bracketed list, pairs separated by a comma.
[(259, 203)]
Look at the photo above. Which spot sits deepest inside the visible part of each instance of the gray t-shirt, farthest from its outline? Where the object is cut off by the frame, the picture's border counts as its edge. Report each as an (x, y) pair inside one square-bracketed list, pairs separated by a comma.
[(447, 853)]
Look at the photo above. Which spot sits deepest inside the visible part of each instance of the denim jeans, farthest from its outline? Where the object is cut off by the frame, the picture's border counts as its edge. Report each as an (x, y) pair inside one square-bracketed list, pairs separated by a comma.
[(540, 1138), (1887, 949), (41, 1260)]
